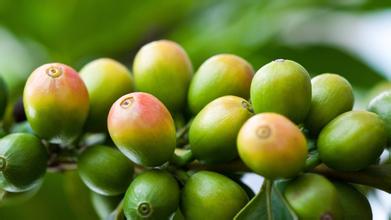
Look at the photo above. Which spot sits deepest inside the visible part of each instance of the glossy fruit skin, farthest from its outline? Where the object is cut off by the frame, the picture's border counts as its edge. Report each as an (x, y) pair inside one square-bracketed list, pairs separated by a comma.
[(105, 205), (312, 196), (381, 105), (56, 102), (213, 132), (106, 81), (355, 205), (332, 95), (210, 195), (143, 129), (220, 75), (284, 87), (163, 69), (3, 97), (272, 146), (152, 195), (105, 170), (23, 161), (352, 141)]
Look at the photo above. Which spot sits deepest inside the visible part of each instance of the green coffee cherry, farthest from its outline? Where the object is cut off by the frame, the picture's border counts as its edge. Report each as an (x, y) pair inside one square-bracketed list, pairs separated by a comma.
[(213, 195), (105, 170), (106, 81), (352, 141), (23, 161), (56, 103), (213, 131), (355, 205), (284, 87), (272, 146), (332, 95), (105, 205), (312, 196), (152, 195), (220, 75), (143, 129), (163, 69), (3, 97), (381, 105)]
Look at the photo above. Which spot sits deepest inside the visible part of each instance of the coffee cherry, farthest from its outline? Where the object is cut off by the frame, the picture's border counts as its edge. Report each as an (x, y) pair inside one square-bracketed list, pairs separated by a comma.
[(312, 196), (332, 95), (352, 141), (210, 195), (23, 161), (381, 105), (272, 146), (284, 87), (220, 75), (355, 205), (163, 69), (213, 195), (106, 81), (213, 131), (105, 170), (142, 128), (152, 195), (56, 102)]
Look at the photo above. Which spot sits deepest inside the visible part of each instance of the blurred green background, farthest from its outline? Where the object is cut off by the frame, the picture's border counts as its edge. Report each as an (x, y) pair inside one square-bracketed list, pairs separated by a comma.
[(351, 38)]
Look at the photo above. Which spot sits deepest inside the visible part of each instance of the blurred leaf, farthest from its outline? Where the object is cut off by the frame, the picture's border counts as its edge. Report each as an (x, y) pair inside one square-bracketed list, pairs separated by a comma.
[(50, 203), (77, 194), (80, 29), (256, 208)]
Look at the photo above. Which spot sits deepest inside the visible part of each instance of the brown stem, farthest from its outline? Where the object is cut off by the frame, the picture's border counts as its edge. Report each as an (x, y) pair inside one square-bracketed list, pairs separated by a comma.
[(62, 167), (234, 166), (375, 176)]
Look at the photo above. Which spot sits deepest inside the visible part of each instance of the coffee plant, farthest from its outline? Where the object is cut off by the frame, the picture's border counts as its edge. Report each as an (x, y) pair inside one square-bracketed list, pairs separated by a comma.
[(166, 143)]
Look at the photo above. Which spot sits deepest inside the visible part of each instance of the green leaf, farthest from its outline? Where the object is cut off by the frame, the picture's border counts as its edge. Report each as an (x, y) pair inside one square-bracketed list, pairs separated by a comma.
[(257, 207)]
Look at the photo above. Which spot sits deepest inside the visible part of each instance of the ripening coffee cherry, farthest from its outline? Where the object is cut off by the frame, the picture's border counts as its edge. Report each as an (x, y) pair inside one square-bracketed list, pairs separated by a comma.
[(284, 87), (355, 205), (381, 105), (352, 141), (272, 146), (153, 195), (3, 97), (220, 75), (143, 129), (23, 161), (213, 132), (163, 69), (210, 195), (106, 81), (105, 170), (312, 196), (332, 95), (56, 102)]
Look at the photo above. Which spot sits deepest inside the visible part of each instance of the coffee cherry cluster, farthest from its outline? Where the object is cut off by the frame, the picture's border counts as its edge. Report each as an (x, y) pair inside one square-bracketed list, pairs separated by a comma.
[(170, 139)]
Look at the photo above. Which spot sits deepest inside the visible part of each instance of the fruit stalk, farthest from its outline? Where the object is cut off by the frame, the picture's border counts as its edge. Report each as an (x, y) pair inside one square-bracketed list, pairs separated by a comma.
[(269, 185)]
